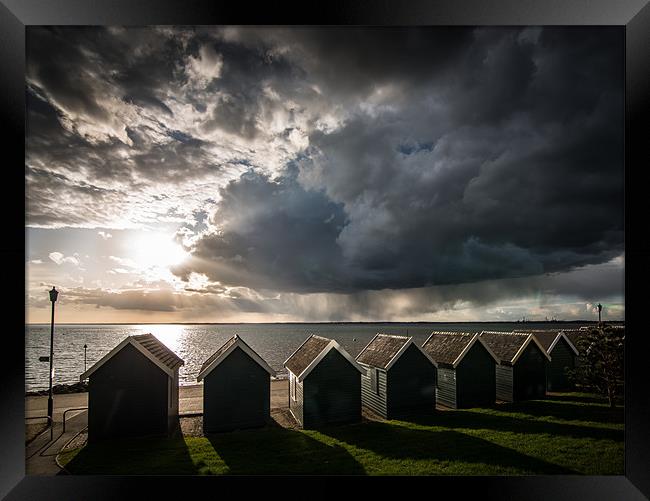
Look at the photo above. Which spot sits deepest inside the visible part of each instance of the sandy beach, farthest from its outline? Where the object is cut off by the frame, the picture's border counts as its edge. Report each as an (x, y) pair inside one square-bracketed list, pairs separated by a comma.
[(190, 401)]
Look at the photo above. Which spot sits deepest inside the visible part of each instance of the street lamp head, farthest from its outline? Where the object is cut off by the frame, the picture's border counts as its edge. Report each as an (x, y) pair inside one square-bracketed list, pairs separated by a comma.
[(53, 294)]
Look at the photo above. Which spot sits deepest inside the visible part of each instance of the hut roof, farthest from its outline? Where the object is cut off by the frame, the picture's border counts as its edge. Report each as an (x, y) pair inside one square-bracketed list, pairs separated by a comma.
[(449, 348), (151, 347), (549, 339), (508, 346), (311, 352), (226, 349), (574, 335), (159, 350), (384, 350)]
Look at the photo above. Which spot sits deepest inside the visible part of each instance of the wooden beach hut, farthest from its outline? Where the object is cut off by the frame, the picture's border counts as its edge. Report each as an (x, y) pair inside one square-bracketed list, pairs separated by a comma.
[(133, 390), (521, 372), (563, 357), (400, 377), (324, 383), (466, 369), (236, 388)]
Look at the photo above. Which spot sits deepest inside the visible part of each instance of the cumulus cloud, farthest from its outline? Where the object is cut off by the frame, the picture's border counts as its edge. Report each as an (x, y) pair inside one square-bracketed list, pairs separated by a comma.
[(59, 258)]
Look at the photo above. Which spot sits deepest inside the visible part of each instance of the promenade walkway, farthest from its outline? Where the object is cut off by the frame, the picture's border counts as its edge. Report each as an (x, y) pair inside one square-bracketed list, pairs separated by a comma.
[(40, 454)]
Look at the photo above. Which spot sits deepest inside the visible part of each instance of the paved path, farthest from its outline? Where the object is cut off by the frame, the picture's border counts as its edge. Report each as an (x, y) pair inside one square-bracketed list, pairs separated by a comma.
[(41, 454), (190, 400)]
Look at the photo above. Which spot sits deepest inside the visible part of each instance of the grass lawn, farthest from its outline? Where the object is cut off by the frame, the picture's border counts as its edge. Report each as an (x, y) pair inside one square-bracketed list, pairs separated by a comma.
[(573, 433)]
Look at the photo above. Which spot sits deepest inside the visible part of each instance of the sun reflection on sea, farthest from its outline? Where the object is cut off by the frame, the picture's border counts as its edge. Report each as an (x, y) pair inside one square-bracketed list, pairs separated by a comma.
[(172, 336)]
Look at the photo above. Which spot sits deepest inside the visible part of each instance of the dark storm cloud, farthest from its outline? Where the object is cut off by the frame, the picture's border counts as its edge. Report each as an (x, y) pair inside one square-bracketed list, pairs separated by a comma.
[(487, 172), (276, 226)]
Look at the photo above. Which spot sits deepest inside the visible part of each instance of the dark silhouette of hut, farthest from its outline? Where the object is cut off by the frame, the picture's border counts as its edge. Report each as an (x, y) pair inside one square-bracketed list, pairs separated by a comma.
[(466, 369), (324, 384), (236, 388), (563, 357), (400, 377), (521, 372), (133, 390)]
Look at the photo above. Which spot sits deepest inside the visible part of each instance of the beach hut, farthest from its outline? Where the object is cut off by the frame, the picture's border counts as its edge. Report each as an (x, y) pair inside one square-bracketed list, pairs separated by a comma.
[(324, 383), (521, 372), (563, 357), (466, 369), (236, 388), (400, 377), (133, 390)]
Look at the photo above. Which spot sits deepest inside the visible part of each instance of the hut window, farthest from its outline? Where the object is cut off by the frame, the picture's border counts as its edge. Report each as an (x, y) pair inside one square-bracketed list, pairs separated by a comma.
[(292, 386), (374, 380)]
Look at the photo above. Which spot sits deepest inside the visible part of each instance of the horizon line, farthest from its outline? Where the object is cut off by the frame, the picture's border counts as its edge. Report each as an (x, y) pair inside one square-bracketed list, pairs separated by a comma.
[(334, 322)]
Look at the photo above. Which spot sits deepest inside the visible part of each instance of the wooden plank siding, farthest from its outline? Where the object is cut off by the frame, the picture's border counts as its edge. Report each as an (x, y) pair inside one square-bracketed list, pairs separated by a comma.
[(331, 393), (529, 374), (411, 384), (504, 378), (562, 358), (369, 397), (127, 396), (476, 378), (446, 387), (236, 394)]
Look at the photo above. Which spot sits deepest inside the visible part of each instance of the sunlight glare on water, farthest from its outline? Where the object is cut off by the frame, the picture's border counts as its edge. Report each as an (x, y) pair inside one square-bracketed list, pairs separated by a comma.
[(171, 335)]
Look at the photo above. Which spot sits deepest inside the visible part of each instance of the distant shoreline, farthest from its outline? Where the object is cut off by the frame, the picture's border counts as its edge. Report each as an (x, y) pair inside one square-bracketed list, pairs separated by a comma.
[(551, 322)]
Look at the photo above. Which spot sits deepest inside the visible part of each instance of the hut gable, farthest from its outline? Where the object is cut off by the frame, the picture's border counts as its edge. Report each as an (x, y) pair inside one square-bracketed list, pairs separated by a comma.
[(449, 348), (549, 339), (225, 350), (574, 335), (385, 349), (508, 346), (150, 347), (311, 352)]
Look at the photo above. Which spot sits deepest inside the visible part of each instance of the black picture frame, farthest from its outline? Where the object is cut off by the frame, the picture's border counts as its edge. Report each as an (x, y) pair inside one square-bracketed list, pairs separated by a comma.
[(632, 15)]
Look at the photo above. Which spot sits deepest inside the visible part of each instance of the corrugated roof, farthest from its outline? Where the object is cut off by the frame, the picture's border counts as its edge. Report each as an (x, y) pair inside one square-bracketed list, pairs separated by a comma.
[(306, 354), (381, 350), (159, 350), (218, 353), (445, 347), (504, 345)]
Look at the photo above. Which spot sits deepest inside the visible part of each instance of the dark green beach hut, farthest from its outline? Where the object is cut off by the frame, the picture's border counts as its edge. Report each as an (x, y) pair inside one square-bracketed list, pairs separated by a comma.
[(521, 372), (324, 384), (236, 388), (400, 377), (133, 390), (466, 369), (563, 357)]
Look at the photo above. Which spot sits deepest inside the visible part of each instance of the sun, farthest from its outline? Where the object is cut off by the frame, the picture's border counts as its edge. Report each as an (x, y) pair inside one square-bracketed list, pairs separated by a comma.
[(156, 249)]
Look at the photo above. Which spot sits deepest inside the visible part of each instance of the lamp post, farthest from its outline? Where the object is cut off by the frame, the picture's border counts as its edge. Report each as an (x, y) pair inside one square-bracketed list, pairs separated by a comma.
[(600, 308), (50, 401)]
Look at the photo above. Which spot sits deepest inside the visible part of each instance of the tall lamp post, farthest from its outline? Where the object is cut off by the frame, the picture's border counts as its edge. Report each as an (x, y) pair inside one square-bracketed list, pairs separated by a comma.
[(600, 308), (50, 401)]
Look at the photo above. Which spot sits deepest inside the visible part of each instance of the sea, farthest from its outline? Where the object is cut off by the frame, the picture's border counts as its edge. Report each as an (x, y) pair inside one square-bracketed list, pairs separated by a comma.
[(79, 346)]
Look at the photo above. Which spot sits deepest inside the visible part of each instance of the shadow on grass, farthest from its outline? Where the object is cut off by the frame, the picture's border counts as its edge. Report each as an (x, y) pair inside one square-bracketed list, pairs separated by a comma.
[(585, 399), (398, 442), (279, 451), (476, 420), (137, 456), (565, 409)]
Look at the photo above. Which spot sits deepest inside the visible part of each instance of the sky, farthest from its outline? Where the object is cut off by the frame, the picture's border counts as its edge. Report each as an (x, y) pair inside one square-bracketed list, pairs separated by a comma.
[(271, 174)]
